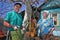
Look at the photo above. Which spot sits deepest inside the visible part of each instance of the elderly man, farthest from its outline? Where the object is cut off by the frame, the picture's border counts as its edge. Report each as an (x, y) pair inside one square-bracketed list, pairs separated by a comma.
[(45, 24)]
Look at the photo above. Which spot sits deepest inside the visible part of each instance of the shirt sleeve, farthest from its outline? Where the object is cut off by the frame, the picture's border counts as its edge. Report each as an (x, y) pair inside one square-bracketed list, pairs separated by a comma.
[(51, 24), (7, 17)]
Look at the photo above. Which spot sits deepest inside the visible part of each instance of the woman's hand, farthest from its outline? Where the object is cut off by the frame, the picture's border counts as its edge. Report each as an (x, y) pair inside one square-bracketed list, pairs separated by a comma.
[(51, 30)]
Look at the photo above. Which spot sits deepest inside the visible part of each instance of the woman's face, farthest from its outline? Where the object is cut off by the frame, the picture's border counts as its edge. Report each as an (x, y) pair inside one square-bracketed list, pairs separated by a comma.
[(44, 14), (17, 8)]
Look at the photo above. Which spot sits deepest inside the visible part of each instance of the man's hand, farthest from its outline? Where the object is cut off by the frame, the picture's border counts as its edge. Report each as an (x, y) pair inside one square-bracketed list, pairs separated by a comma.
[(15, 28)]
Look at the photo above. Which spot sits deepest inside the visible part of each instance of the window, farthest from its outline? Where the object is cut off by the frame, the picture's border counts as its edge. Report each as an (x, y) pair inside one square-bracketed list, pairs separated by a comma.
[(55, 18)]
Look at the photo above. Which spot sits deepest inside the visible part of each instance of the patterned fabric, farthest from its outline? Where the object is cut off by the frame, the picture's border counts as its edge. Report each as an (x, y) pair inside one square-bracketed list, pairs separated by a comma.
[(16, 35), (45, 26)]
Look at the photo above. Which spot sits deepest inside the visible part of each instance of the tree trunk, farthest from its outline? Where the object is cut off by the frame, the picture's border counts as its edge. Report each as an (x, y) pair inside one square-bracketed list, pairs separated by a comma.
[(28, 12)]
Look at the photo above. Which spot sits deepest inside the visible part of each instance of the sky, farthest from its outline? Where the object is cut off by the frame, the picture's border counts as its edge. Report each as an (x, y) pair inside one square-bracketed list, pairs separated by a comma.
[(6, 6)]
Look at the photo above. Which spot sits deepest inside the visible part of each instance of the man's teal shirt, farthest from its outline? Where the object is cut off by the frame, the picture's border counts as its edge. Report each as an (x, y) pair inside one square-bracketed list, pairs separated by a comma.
[(14, 19)]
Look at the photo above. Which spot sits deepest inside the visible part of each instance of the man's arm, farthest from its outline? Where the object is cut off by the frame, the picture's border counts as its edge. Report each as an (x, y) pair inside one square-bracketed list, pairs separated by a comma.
[(4, 23), (8, 25)]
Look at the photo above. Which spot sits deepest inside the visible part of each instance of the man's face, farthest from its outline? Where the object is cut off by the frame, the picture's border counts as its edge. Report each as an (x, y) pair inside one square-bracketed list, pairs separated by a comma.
[(16, 8), (44, 14)]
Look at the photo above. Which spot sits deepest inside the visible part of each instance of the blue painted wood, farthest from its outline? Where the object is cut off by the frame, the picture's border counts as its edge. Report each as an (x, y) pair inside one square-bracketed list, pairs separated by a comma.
[(53, 6)]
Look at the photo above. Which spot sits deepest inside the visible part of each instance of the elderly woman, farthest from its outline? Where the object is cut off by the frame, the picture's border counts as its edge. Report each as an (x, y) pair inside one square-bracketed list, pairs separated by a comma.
[(45, 24)]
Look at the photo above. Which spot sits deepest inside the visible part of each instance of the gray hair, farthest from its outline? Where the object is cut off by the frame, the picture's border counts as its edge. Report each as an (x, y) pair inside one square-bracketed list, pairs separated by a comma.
[(45, 11)]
